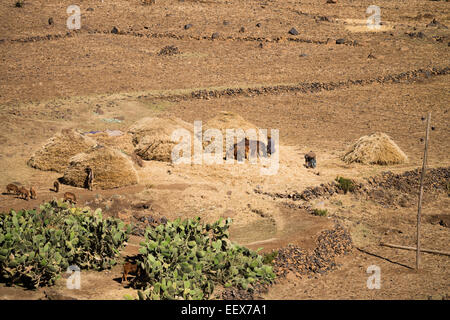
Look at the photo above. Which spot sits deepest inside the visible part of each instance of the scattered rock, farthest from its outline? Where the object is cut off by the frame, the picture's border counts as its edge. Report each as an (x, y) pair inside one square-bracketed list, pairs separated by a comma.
[(419, 34), (340, 41), (49, 295), (163, 220), (293, 31), (215, 35), (115, 30), (187, 26), (330, 244), (258, 25), (323, 18), (169, 51), (435, 23), (226, 23), (50, 21), (99, 111), (242, 29)]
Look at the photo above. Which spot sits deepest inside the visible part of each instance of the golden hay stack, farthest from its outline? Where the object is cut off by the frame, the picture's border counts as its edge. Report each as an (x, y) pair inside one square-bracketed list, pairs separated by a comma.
[(157, 127), (111, 168), (121, 142), (377, 148), (152, 137), (228, 120), (54, 155)]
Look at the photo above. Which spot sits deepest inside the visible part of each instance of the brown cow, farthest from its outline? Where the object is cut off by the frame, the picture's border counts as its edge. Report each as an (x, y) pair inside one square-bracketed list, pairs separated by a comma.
[(129, 267), (260, 147), (69, 196), (24, 193), (12, 189), (33, 193)]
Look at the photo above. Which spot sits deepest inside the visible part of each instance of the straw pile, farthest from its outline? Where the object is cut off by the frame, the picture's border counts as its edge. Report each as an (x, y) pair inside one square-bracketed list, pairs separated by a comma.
[(152, 137), (377, 148), (228, 120), (120, 141), (55, 154), (111, 168)]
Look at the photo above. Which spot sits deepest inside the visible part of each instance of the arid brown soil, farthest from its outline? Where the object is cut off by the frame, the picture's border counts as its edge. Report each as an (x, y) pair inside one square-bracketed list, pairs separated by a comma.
[(323, 88)]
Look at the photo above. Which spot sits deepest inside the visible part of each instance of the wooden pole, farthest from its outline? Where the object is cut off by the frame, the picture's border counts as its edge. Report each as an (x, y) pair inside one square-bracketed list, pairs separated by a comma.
[(415, 249), (422, 175)]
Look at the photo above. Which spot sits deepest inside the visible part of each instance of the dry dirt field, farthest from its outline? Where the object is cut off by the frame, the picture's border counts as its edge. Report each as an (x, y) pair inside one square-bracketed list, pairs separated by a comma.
[(237, 56)]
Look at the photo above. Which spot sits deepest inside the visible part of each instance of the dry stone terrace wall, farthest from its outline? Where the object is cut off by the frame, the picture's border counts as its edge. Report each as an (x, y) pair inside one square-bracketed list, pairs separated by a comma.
[(436, 180)]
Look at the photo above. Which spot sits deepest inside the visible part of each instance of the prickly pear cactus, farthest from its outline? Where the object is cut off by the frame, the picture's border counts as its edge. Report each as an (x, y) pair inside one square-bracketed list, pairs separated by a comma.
[(186, 259), (37, 245)]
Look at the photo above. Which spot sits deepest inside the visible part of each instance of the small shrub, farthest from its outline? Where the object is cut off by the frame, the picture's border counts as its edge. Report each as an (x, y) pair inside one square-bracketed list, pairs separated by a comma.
[(269, 257), (320, 212), (345, 184), (19, 4)]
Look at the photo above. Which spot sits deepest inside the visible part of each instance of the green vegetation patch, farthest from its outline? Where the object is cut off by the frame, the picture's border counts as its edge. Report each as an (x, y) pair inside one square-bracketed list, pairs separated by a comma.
[(270, 257), (37, 245), (345, 184), (320, 212), (186, 259)]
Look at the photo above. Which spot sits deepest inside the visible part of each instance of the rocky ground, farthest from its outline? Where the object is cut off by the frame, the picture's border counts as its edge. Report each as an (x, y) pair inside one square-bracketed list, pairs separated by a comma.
[(311, 69)]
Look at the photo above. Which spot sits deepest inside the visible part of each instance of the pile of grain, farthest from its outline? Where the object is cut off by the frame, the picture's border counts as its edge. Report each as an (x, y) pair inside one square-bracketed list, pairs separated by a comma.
[(55, 154), (377, 148), (114, 139), (111, 168), (152, 137), (228, 120)]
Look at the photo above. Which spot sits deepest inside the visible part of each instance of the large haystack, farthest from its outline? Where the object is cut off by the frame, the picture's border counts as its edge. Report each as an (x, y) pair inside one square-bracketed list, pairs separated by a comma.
[(228, 120), (111, 168), (152, 137), (54, 155), (115, 139), (377, 148)]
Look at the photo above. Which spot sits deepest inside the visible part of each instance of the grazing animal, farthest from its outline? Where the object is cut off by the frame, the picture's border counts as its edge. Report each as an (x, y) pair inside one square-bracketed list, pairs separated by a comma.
[(260, 147), (129, 267), (89, 178), (12, 189), (56, 186), (24, 193), (310, 160), (69, 196), (33, 193)]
